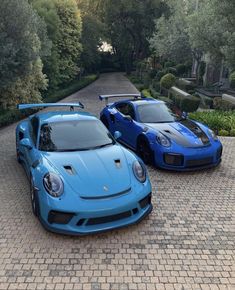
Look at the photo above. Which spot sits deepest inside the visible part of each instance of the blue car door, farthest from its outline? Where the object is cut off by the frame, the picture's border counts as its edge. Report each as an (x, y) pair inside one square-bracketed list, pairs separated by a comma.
[(30, 155), (126, 124)]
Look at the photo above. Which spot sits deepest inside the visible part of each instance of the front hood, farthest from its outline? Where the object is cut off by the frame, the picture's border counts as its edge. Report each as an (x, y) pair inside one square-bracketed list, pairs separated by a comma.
[(94, 173), (185, 133)]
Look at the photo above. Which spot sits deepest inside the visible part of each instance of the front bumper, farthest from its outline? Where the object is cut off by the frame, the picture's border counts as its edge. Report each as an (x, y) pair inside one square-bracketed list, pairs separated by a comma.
[(188, 159), (96, 215)]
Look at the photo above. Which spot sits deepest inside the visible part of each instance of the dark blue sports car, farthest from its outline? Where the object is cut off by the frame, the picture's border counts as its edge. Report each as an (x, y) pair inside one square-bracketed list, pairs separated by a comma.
[(160, 137)]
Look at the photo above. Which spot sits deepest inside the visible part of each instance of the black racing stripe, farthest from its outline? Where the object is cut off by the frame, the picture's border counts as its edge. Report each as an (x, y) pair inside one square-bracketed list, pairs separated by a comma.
[(193, 127)]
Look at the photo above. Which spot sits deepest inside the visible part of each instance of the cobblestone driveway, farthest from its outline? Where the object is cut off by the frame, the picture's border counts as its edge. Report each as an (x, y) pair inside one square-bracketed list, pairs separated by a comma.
[(186, 243)]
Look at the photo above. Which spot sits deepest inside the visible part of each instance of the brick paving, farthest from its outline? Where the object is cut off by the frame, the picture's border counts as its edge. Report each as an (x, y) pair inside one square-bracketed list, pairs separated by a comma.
[(186, 243)]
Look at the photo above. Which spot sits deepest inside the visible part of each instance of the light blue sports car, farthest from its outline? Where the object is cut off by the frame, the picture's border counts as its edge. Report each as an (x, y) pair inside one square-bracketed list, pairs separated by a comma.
[(81, 180)]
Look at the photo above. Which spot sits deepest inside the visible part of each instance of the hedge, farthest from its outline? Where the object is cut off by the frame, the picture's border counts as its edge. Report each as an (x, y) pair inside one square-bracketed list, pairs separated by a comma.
[(232, 80), (187, 104), (7, 117), (168, 81), (217, 121), (220, 104)]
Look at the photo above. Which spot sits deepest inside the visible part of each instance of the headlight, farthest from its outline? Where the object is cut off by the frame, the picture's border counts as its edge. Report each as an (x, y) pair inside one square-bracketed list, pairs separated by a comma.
[(139, 171), (53, 184), (212, 134), (164, 141)]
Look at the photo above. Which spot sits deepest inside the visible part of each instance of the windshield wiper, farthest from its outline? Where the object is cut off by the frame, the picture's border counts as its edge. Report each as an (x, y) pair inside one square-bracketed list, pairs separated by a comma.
[(103, 145)]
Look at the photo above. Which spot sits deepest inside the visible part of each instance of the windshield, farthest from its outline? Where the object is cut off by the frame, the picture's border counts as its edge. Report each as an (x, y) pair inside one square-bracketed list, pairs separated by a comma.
[(74, 136), (155, 113)]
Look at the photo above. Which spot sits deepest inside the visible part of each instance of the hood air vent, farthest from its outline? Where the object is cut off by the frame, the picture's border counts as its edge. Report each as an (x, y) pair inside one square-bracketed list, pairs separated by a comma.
[(69, 169), (118, 163)]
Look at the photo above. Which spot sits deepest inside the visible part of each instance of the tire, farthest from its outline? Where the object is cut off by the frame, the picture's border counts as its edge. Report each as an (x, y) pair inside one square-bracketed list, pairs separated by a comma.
[(145, 152), (34, 199), (105, 121)]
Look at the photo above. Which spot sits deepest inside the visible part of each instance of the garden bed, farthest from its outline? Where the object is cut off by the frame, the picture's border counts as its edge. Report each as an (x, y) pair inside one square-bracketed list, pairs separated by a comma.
[(7, 117)]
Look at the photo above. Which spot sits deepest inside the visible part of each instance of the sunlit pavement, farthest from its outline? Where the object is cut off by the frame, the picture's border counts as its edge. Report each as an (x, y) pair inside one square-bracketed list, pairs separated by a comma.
[(188, 242)]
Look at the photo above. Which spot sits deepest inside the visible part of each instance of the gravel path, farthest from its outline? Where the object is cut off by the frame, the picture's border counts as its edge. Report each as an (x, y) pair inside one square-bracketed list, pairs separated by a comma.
[(186, 243)]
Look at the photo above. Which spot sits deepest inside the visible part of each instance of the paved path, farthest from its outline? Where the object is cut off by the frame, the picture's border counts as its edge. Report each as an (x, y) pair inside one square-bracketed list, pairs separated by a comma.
[(186, 243)]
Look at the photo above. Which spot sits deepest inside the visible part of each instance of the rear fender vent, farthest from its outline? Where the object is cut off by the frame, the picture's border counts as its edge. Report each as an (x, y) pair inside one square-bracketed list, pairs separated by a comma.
[(69, 169)]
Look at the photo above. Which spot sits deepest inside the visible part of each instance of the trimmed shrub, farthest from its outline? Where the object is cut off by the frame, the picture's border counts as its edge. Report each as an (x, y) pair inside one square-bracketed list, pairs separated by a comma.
[(208, 101), (220, 104), (187, 104), (232, 80), (185, 85), (146, 93), (181, 69), (168, 81), (223, 133), (232, 132), (168, 64)]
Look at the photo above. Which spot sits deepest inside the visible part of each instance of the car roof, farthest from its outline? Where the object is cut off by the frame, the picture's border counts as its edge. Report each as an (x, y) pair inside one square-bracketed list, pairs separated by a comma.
[(61, 116), (137, 102)]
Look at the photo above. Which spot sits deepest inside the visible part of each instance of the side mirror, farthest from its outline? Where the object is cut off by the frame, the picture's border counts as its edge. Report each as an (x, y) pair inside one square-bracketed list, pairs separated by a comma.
[(128, 118), (184, 115), (25, 142), (117, 135)]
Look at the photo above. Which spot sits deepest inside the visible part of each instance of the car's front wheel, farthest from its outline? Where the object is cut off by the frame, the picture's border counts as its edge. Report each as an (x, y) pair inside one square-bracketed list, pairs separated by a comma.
[(145, 152), (34, 199)]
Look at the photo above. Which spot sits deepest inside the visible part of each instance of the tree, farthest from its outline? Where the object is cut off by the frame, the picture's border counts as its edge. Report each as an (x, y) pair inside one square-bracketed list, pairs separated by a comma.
[(171, 40), (68, 41), (211, 29), (129, 25), (64, 27), (93, 31), (20, 51)]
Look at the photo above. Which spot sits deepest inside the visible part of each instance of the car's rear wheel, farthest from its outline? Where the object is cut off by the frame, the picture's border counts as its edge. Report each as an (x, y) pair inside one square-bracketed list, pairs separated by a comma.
[(34, 199), (105, 121), (145, 152)]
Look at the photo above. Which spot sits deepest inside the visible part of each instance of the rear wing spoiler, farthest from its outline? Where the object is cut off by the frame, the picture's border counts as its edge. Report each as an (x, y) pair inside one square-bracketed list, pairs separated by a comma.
[(49, 105), (107, 97)]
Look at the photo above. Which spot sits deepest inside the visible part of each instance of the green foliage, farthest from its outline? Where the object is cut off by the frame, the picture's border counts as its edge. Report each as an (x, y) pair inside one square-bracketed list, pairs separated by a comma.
[(129, 25), (170, 39), (181, 69), (216, 120), (185, 85), (9, 116), (220, 104), (156, 85), (232, 80), (159, 75), (91, 39), (68, 40), (73, 87), (22, 41), (211, 29), (167, 81), (187, 104), (232, 132), (223, 132), (146, 93)]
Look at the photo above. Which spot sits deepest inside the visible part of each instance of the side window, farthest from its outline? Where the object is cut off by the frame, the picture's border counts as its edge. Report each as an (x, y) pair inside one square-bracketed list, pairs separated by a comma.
[(131, 111), (34, 129), (126, 109)]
